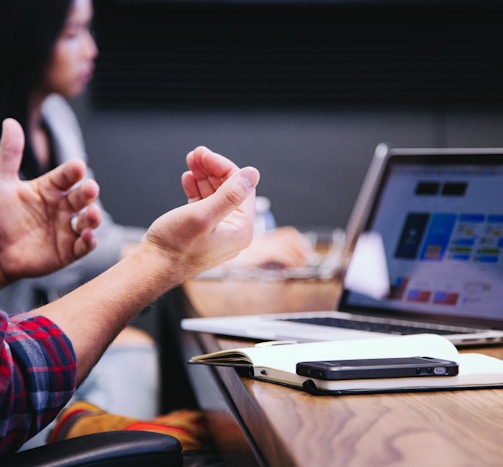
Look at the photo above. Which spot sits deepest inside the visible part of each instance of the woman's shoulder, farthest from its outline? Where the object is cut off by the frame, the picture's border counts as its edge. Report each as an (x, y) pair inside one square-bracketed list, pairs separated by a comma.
[(56, 106), (63, 124)]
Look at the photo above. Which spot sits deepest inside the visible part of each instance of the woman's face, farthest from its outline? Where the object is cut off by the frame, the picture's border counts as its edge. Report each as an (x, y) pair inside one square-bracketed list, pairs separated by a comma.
[(72, 63)]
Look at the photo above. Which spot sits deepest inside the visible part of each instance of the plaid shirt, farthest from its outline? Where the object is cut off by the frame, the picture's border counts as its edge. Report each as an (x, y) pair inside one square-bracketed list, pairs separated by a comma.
[(37, 376)]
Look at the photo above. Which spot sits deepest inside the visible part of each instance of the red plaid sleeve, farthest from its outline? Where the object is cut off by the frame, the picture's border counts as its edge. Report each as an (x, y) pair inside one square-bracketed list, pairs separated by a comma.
[(37, 376)]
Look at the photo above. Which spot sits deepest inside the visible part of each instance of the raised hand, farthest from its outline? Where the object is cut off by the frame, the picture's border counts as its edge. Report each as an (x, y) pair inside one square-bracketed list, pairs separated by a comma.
[(218, 221), (45, 223)]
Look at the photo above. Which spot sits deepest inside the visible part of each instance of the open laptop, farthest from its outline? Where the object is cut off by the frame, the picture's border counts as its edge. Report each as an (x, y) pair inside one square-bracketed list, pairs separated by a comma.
[(439, 216)]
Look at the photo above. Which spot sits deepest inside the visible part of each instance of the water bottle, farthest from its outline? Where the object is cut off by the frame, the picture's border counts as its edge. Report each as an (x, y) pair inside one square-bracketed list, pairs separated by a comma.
[(264, 219)]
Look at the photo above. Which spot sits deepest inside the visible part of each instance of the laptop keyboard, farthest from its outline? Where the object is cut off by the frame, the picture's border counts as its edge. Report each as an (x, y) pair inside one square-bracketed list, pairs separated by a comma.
[(389, 328)]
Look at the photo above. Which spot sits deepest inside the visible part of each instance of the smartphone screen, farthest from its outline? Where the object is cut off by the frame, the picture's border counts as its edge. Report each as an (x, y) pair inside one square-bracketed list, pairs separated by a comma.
[(377, 368)]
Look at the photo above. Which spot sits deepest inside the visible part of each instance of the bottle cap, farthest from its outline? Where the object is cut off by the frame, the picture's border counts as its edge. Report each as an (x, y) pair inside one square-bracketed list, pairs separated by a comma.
[(262, 204)]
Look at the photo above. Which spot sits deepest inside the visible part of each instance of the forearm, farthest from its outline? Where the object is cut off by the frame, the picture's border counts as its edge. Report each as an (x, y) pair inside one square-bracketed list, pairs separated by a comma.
[(92, 315), (179, 244)]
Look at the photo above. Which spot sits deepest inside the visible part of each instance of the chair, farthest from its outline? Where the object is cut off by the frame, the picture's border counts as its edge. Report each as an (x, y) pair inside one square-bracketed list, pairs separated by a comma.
[(124, 448)]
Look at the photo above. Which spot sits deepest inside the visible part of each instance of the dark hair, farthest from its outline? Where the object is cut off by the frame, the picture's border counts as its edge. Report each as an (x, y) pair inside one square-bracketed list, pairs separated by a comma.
[(28, 32)]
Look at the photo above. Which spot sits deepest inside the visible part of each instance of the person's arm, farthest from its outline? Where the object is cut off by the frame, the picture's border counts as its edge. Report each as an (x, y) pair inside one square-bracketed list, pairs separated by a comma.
[(37, 376), (215, 225), (37, 233)]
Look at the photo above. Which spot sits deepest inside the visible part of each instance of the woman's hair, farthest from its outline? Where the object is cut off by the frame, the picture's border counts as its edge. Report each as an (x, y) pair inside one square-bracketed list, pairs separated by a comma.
[(28, 32)]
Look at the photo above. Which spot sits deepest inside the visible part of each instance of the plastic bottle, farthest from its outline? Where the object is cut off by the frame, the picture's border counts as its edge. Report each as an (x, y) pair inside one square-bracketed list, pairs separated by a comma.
[(264, 219)]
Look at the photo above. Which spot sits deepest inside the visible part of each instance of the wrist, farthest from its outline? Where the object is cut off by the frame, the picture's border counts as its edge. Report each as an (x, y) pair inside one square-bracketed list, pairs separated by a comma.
[(154, 270)]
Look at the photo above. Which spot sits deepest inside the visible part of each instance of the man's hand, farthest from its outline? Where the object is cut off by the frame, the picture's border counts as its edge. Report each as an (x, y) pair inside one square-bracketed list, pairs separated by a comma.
[(45, 223), (218, 221), (207, 172), (284, 246)]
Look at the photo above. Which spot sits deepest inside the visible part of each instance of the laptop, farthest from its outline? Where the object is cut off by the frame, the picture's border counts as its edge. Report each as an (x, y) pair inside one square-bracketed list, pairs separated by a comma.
[(435, 221)]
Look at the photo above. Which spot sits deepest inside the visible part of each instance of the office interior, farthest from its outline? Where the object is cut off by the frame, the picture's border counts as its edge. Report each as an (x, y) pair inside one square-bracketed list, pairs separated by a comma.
[(303, 90)]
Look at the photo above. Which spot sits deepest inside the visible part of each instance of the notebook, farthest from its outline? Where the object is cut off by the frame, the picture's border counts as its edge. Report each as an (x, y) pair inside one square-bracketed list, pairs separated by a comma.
[(278, 364), (425, 242)]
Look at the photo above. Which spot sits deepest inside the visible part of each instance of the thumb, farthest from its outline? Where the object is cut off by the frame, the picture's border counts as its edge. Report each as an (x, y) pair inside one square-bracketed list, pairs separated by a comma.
[(11, 147), (232, 194)]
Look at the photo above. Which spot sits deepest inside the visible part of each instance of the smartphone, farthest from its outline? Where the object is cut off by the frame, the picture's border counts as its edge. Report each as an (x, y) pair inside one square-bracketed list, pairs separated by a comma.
[(377, 368)]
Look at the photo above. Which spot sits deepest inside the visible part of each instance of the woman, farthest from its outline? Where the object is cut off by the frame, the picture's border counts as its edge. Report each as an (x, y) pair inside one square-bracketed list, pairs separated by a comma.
[(47, 54)]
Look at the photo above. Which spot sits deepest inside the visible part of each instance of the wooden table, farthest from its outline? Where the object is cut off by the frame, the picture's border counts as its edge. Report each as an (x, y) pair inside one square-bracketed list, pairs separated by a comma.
[(258, 423)]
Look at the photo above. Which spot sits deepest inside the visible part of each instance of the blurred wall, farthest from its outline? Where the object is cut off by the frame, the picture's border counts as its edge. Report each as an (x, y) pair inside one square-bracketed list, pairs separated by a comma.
[(312, 158), (312, 164)]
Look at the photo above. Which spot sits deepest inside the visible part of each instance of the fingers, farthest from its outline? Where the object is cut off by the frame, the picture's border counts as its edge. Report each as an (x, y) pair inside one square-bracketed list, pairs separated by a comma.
[(83, 225), (83, 195), (189, 185), (66, 175), (223, 188), (232, 194), (80, 199), (11, 148), (85, 243), (207, 171), (88, 219), (203, 161)]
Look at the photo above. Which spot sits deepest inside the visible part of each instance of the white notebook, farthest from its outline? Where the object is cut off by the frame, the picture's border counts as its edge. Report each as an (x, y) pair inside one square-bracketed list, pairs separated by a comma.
[(276, 363)]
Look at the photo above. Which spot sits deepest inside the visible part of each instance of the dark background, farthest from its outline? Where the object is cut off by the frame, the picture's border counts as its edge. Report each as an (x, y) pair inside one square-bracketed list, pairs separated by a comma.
[(302, 90)]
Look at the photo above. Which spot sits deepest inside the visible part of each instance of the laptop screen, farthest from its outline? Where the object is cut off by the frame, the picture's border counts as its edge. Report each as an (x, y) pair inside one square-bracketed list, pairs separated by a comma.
[(440, 218)]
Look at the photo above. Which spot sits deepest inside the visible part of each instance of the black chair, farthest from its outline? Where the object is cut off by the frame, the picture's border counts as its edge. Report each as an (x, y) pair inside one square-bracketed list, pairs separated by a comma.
[(125, 448)]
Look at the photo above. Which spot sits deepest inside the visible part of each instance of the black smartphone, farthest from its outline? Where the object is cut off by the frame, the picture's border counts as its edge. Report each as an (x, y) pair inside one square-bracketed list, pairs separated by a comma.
[(377, 368)]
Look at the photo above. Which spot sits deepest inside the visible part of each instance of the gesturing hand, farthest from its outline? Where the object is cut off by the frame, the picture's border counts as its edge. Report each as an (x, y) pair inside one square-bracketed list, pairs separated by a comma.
[(218, 221), (37, 234)]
